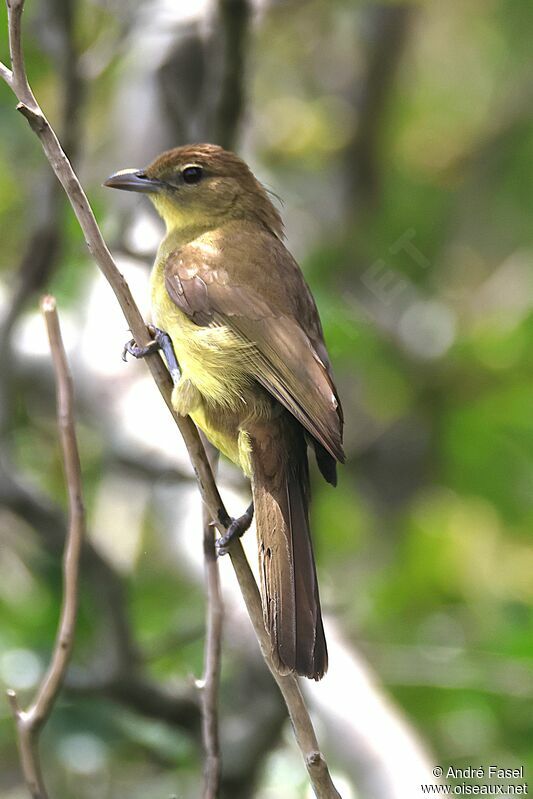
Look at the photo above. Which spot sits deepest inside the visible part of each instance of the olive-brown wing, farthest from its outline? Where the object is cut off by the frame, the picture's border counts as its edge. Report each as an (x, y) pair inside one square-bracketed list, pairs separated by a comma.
[(227, 284)]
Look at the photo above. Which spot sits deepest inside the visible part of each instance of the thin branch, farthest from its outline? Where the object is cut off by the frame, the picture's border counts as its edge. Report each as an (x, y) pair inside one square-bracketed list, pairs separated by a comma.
[(67, 433), (30, 722), (211, 676), (305, 735), (6, 74), (19, 81), (212, 653)]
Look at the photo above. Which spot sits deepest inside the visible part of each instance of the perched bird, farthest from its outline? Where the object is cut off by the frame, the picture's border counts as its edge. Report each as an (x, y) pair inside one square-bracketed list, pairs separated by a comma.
[(254, 371)]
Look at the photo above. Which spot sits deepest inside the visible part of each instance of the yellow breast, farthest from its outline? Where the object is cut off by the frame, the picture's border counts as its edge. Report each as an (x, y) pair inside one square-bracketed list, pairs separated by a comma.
[(213, 358), (220, 365)]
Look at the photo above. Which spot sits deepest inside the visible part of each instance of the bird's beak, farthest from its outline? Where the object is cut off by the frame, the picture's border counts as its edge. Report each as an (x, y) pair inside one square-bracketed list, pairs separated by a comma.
[(133, 180)]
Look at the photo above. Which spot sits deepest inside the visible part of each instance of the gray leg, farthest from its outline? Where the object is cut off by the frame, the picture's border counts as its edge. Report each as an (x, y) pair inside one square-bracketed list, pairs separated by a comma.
[(161, 341), (236, 528)]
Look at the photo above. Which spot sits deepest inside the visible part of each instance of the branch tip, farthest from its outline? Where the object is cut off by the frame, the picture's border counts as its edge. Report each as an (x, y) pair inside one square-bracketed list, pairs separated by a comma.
[(13, 702), (48, 304)]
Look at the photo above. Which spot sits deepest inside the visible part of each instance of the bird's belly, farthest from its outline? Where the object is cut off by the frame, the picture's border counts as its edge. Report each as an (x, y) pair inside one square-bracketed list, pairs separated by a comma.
[(223, 433), (218, 364), (213, 360)]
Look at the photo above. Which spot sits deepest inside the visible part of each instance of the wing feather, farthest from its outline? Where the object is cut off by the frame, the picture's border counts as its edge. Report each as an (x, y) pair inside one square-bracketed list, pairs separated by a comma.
[(287, 354)]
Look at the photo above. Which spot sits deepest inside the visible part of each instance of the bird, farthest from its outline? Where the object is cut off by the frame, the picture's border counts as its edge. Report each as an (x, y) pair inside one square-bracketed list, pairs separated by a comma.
[(242, 335)]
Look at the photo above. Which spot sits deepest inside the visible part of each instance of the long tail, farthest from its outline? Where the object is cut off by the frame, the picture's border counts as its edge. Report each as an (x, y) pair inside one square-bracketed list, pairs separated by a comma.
[(289, 586)]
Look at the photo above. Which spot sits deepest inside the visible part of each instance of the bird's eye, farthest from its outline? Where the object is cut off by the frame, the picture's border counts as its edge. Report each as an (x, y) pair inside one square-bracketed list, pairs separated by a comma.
[(192, 174)]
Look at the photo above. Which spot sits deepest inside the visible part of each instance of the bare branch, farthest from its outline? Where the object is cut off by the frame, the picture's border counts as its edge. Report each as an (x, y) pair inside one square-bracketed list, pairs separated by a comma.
[(19, 81), (211, 676), (69, 446), (305, 735), (213, 646), (30, 722), (6, 74)]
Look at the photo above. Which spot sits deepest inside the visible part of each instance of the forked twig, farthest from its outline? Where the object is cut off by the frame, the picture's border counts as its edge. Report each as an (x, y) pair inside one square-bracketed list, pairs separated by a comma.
[(29, 722), (28, 106)]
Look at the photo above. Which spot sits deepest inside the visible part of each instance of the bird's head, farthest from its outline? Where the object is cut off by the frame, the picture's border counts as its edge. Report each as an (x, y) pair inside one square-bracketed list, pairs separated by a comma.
[(200, 186)]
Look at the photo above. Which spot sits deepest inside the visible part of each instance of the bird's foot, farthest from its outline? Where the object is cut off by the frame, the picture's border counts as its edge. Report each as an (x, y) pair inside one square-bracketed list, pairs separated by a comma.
[(236, 528), (161, 341)]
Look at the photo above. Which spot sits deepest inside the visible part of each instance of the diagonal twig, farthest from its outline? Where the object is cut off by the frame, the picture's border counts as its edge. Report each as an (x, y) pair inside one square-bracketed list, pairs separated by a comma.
[(28, 106), (29, 722)]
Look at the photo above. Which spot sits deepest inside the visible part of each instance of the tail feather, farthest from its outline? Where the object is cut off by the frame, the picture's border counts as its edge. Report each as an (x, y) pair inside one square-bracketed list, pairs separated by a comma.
[(289, 584)]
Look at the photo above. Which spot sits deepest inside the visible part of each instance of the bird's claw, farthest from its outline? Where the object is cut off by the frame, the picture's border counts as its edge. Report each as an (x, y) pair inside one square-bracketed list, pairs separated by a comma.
[(235, 530), (160, 341), (132, 348)]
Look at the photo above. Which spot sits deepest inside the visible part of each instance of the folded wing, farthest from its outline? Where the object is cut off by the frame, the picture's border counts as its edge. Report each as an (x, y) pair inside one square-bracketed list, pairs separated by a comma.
[(272, 310)]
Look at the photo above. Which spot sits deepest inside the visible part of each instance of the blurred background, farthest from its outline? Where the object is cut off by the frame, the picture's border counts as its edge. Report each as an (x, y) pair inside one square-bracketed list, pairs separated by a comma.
[(399, 139)]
